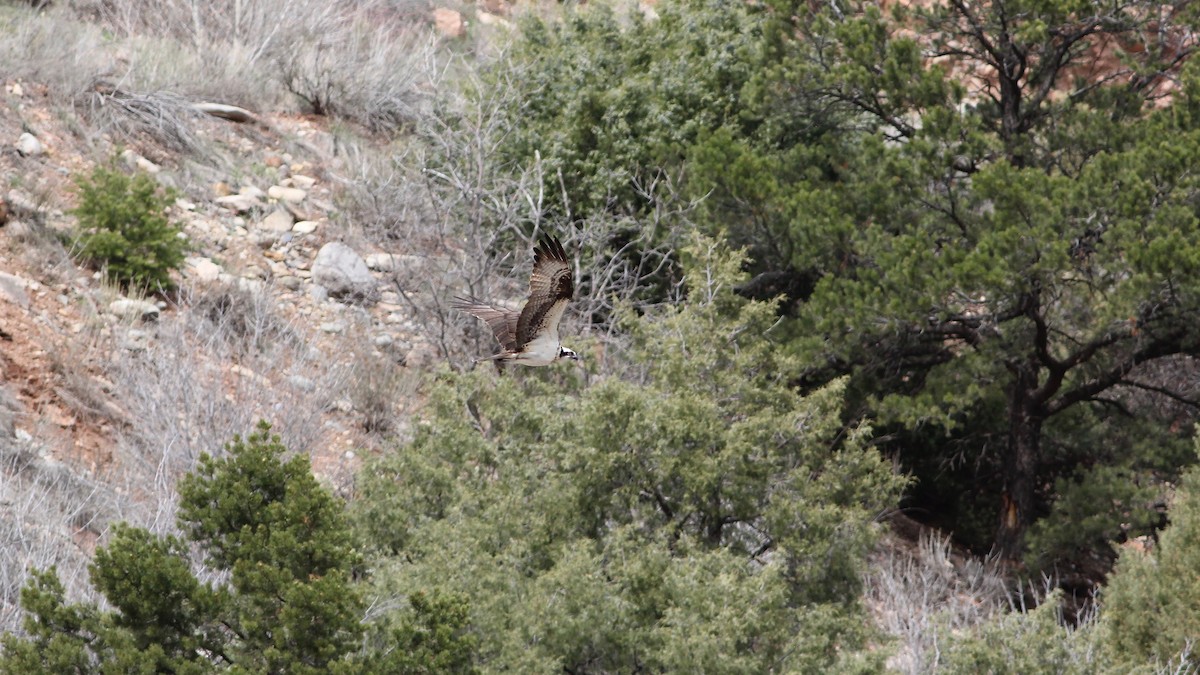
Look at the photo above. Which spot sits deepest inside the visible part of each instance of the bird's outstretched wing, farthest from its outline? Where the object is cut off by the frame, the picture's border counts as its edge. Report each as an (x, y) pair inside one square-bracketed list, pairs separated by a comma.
[(503, 322), (551, 287)]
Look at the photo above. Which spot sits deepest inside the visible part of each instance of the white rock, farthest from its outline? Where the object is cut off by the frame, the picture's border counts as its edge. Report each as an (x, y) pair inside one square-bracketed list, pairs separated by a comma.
[(342, 272), (203, 269), (29, 145), (302, 383), (136, 340), (489, 19), (301, 181), (381, 262), (278, 221), (238, 203), (128, 308), (252, 191), (286, 194), (12, 289), (305, 227)]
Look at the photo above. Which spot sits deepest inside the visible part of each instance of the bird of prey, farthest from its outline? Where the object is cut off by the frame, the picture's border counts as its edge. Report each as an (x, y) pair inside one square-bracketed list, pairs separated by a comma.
[(530, 337)]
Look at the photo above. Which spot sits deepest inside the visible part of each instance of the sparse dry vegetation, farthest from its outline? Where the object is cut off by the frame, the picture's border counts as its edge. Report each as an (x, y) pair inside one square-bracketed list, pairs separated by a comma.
[(704, 489)]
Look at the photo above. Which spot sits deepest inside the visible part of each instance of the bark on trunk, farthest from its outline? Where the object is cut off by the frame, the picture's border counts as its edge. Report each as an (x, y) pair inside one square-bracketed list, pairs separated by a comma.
[(1021, 465)]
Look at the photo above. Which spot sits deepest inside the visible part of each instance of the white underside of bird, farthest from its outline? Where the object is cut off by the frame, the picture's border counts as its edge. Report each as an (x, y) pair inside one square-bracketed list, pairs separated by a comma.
[(529, 337), (541, 351)]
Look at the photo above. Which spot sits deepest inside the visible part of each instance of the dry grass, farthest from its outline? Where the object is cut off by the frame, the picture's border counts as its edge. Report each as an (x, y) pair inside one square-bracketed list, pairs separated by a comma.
[(50, 517), (132, 68), (212, 370), (376, 386), (921, 596)]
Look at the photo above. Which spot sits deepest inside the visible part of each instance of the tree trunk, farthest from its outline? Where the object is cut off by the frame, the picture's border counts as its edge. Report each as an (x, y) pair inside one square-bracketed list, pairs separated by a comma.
[(1020, 468)]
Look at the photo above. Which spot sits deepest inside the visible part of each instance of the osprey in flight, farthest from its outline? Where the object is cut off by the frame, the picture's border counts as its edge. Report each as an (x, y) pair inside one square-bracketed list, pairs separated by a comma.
[(530, 337)]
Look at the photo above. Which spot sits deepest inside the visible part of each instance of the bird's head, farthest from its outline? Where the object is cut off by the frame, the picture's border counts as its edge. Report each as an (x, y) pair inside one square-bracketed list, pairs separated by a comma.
[(564, 353)]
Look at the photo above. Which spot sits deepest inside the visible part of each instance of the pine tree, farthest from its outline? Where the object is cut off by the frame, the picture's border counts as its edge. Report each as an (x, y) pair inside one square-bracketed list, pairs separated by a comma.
[(1009, 243), (289, 603)]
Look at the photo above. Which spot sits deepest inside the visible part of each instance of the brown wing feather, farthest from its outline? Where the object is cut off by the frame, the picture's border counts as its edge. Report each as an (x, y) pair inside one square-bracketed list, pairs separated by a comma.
[(549, 284), (503, 322)]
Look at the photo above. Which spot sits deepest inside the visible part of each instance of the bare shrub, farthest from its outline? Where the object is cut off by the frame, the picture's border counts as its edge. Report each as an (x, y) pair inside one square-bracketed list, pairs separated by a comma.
[(210, 373), (163, 117), (367, 60), (361, 64), (52, 47), (376, 385), (239, 321), (462, 219), (50, 517), (923, 595)]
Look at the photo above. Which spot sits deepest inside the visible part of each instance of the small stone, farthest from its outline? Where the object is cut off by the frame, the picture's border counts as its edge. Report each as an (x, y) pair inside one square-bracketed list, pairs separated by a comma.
[(449, 23), (286, 194), (19, 230), (238, 203), (12, 289), (292, 283), (136, 340), (203, 269), (252, 191), (301, 181), (305, 227), (333, 326), (302, 383), (278, 221), (29, 145)]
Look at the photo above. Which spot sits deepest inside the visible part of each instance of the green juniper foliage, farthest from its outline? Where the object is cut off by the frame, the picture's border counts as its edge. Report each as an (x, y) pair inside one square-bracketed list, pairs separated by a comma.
[(998, 264), (290, 604), (1152, 600), (123, 228), (701, 516)]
